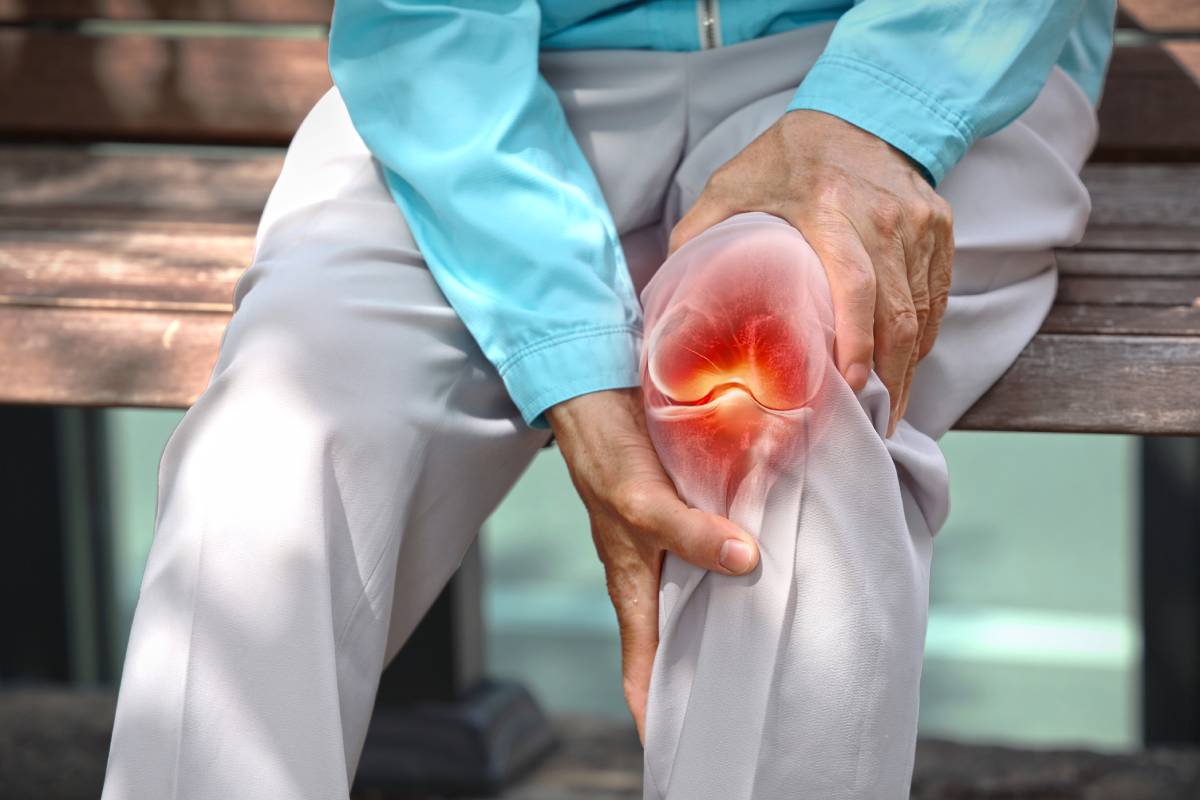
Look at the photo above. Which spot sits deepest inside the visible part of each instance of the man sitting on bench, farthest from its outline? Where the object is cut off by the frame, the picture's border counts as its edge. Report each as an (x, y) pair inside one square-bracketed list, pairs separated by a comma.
[(447, 270)]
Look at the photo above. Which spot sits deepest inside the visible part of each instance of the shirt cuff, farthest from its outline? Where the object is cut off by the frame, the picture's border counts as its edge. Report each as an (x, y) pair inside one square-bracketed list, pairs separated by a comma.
[(888, 106), (558, 369)]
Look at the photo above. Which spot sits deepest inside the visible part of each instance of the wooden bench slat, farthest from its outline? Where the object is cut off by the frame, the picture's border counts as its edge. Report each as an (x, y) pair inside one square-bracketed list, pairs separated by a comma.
[(1159, 16), (228, 90), (1123, 320), (1096, 384), (1134, 206), (1125, 263), (277, 11), (1094, 290), (219, 89), (102, 357), (154, 179), (1162, 16), (129, 258), (157, 359)]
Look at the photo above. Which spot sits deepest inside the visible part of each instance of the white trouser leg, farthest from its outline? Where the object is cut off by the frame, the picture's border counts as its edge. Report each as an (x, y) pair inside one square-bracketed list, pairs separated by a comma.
[(802, 679), (352, 439)]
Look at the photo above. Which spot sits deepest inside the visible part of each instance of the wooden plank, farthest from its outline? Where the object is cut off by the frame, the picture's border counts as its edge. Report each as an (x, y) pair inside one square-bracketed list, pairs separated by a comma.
[(1129, 291), (1163, 16), (256, 90), (179, 266), (106, 358), (204, 89), (1140, 237), (274, 11), (1150, 109), (69, 179), (1122, 263), (1114, 384), (1098, 384), (1187, 55), (1156, 197), (128, 257), (1123, 320)]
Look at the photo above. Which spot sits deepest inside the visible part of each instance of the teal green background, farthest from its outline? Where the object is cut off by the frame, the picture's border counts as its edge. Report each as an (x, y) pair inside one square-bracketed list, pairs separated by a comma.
[(1033, 633)]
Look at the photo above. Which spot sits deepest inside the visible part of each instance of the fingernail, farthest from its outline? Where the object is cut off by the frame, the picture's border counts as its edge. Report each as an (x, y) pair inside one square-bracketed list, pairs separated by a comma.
[(736, 556), (856, 375)]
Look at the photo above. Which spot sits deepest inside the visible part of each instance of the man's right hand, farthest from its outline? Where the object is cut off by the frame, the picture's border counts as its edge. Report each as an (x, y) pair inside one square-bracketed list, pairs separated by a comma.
[(636, 515)]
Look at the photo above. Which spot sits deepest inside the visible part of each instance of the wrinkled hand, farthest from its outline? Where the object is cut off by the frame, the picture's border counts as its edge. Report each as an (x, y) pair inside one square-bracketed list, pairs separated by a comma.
[(883, 235), (636, 515)]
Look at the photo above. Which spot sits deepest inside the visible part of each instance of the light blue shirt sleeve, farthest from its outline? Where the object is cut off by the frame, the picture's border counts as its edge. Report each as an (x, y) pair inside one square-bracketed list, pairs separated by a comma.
[(930, 78), (505, 208)]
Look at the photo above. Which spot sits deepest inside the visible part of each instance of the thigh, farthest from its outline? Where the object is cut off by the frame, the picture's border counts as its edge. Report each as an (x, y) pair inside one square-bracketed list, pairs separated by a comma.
[(339, 314)]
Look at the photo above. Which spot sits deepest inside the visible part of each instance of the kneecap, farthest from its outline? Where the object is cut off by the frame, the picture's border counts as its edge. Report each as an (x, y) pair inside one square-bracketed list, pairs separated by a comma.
[(738, 345)]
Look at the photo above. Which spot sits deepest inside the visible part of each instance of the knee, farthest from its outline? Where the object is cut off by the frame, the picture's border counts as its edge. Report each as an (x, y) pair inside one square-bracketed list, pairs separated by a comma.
[(739, 336)]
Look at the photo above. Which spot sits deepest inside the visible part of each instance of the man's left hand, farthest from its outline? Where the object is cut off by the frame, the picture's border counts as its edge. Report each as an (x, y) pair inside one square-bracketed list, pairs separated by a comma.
[(883, 235)]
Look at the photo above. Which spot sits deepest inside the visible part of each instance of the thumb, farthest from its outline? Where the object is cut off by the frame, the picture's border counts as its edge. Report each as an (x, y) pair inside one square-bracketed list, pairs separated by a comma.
[(706, 540)]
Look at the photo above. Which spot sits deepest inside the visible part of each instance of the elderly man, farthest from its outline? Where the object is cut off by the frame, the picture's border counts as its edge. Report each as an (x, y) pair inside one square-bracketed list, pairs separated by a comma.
[(447, 270)]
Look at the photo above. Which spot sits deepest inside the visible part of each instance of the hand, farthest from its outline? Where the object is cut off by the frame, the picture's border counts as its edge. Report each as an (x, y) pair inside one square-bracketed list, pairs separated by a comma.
[(884, 236), (636, 515)]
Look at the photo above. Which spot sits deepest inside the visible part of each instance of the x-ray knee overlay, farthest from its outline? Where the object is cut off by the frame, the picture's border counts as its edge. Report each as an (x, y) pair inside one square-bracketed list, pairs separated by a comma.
[(739, 337)]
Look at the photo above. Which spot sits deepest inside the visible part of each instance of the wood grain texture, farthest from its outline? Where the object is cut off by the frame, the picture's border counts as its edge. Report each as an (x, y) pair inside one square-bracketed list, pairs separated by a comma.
[(1123, 320), (216, 89), (228, 90), (99, 357), (1125, 263), (1163, 16), (1107, 384), (117, 272), (276, 11), (1150, 108), (1100, 384), (78, 179)]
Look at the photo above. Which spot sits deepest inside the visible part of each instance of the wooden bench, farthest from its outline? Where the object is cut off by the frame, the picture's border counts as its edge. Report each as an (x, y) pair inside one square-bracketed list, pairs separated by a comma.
[(138, 142)]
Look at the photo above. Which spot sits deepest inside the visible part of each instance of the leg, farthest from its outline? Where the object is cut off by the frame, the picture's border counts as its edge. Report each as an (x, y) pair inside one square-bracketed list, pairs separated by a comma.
[(352, 440), (802, 679)]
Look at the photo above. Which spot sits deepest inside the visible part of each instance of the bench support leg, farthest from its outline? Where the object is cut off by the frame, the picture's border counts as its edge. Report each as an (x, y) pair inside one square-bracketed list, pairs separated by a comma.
[(440, 725), (1170, 567)]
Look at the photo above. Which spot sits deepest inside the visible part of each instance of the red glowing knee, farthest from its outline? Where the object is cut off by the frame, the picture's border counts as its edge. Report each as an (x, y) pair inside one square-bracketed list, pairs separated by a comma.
[(739, 333)]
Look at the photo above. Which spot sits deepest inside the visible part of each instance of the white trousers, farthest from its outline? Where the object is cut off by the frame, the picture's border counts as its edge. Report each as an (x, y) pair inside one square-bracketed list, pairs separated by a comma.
[(353, 439)]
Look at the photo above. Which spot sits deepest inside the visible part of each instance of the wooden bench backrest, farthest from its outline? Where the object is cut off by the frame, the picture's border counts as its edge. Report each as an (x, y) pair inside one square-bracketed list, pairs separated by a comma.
[(246, 71)]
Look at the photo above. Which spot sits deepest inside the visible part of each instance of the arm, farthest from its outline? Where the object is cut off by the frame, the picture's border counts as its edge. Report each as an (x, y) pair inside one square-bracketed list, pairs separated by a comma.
[(500, 199), (931, 78)]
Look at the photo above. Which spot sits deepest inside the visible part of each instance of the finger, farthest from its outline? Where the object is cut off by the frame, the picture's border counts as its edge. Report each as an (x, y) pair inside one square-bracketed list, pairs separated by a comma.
[(902, 408), (852, 288), (709, 541), (636, 604), (706, 212), (940, 275), (918, 251), (896, 325)]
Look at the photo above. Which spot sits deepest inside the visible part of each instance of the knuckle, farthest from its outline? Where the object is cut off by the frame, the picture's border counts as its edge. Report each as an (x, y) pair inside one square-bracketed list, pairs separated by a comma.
[(887, 215), (922, 216), (858, 279), (632, 501), (903, 327)]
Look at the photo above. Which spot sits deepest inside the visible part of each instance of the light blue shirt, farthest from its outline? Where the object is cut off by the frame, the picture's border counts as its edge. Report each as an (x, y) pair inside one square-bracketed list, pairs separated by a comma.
[(505, 208)]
